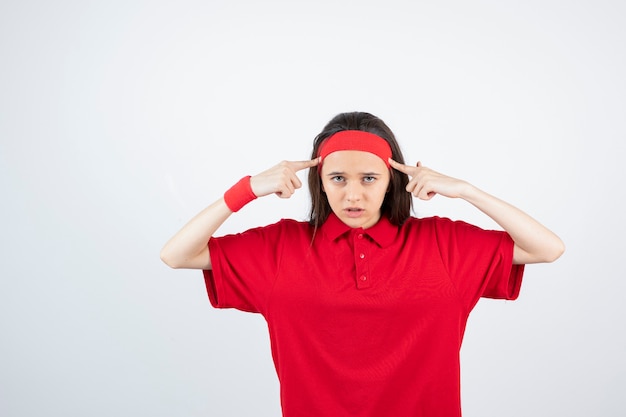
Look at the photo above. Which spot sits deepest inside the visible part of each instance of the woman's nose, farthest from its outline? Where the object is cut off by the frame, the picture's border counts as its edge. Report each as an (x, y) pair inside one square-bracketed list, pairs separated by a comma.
[(353, 191)]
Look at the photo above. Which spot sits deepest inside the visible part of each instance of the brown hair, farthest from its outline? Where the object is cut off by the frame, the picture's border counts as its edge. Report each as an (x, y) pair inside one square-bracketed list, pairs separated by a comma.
[(397, 203)]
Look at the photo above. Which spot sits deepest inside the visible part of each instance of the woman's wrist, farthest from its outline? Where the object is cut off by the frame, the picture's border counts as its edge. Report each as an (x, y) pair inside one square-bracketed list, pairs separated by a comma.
[(469, 192), (239, 194)]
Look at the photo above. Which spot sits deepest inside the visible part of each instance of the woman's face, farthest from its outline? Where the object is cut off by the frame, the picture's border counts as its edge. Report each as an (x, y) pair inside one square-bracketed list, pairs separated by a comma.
[(355, 183)]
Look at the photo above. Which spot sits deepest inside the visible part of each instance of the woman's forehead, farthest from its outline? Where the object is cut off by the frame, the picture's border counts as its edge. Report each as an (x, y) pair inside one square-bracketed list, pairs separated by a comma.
[(353, 162)]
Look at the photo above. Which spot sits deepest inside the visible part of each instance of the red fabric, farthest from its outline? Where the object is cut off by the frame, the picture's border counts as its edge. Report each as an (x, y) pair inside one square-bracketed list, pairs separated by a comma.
[(356, 140), (364, 322), (239, 194)]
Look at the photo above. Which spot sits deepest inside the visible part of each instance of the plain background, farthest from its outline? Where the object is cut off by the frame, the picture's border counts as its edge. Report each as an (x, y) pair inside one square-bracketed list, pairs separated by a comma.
[(119, 120)]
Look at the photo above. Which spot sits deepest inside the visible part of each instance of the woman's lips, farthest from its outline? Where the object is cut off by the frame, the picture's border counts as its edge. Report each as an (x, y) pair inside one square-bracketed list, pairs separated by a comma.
[(353, 212)]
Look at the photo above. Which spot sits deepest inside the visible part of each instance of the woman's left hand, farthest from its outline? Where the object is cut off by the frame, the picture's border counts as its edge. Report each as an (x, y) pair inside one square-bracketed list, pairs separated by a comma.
[(424, 183), (533, 241)]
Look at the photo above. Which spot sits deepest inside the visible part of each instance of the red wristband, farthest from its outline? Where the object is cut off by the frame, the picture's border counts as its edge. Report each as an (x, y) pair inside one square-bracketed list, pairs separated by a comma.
[(239, 194)]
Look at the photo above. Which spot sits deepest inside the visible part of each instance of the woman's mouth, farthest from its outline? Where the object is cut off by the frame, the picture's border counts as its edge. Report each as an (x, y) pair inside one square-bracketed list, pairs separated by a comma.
[(353, 211)]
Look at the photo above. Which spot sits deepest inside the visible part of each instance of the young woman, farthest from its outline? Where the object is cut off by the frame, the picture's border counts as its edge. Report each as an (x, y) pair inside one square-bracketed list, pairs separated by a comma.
[(366, 306)]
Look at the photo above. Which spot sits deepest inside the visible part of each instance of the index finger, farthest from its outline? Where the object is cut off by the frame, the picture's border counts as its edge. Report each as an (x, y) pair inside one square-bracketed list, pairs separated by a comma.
[(300, 165), (400, 167)]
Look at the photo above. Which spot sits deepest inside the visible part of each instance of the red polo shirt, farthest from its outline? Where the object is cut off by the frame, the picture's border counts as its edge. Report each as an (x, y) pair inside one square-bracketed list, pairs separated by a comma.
[(364, 322)]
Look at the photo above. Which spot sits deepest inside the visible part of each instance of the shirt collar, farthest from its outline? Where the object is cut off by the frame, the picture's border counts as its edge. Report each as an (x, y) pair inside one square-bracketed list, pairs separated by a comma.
[(383, 232)]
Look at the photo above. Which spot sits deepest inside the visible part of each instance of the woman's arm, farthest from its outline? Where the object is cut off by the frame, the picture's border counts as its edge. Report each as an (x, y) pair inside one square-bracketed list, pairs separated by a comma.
[(534, 242), (189, 247)]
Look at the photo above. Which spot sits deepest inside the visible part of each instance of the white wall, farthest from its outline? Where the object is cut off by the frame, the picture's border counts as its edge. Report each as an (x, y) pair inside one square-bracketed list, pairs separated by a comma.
[(119, 120)]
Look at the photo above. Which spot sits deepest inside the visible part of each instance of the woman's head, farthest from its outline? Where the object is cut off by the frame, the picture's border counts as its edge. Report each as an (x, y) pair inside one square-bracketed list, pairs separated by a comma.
[(396, 204)]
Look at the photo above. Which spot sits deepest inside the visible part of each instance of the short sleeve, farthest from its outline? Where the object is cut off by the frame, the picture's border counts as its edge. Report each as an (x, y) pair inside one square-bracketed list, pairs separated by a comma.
[(479, 262), (244, 267)]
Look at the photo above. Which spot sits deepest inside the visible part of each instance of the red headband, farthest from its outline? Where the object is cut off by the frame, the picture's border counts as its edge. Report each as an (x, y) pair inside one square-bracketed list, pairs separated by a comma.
[(356, 140)]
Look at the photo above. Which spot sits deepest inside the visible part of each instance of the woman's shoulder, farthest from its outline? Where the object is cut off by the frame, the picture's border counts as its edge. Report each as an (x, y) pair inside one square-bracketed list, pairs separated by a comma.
[(291, 224), (427, 221), (274, 232), (281, 226), (436, 223), (443, 227)]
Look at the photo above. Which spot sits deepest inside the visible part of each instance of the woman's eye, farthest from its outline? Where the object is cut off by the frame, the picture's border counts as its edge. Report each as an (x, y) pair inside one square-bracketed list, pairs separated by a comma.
[(369, 179), (337, 178)]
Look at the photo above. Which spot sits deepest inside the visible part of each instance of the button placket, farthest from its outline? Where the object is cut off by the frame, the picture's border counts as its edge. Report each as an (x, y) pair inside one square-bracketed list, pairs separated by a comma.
[(363, 280)]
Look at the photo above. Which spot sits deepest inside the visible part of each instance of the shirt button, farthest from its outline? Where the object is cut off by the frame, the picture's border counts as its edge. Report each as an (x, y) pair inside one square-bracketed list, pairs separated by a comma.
[(362, 256), (360, 235), (363, 278)]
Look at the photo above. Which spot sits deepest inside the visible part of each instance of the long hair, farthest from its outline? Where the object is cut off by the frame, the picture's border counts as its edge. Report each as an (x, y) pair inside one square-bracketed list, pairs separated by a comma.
[(397, 202)]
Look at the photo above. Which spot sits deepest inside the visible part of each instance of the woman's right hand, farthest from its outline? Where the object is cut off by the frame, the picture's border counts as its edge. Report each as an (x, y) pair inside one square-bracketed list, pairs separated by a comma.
[(281, 179), (188, 248)]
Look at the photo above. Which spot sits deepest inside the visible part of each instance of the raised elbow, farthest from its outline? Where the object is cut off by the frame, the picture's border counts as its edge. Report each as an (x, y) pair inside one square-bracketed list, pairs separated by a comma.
[(169, 259), (557, 250), (549, 251)]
